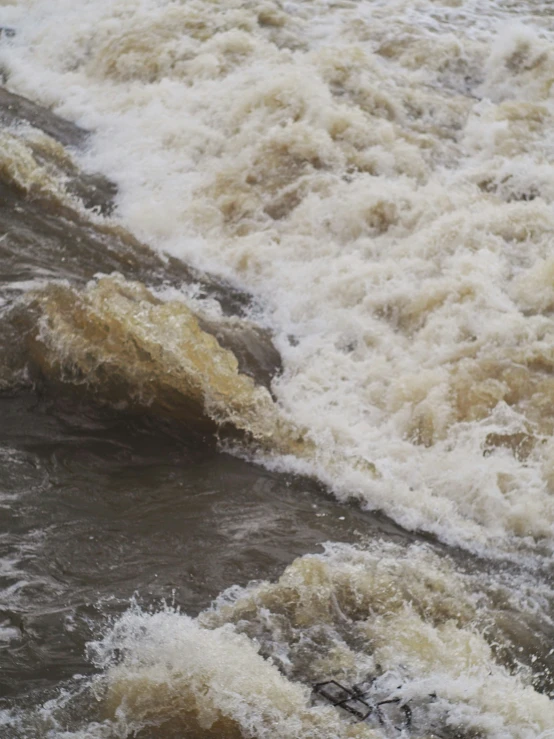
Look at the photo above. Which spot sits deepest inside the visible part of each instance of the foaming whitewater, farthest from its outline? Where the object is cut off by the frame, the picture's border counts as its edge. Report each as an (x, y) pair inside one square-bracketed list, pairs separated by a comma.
[(378, 174), (402, 623)]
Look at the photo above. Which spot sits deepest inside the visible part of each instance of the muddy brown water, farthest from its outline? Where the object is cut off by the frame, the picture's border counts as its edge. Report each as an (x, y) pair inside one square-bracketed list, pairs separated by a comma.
[(97, 506)]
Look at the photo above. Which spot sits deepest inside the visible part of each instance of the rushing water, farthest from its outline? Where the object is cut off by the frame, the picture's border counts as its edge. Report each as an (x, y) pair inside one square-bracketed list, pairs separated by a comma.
[(278, 370)]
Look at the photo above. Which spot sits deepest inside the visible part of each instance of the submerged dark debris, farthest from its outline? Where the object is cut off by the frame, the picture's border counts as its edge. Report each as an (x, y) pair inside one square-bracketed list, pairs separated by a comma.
[(355, 701)]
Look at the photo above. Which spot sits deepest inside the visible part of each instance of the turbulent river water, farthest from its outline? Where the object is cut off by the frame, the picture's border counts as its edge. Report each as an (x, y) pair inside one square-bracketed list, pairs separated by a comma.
[(277, 369)]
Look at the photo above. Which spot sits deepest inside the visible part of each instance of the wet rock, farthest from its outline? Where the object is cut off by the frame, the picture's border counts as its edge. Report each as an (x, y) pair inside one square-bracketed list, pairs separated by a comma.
[(252, 346)]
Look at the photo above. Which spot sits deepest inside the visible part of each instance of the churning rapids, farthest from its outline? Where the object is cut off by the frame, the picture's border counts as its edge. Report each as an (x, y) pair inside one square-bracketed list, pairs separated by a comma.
[(277, 368)]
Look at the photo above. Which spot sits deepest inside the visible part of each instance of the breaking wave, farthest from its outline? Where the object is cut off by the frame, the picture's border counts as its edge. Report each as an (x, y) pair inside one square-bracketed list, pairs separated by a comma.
[(377, 175)]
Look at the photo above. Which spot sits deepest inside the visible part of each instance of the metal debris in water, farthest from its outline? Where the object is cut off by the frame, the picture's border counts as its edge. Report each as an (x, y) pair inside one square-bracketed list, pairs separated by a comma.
[(355, 701)]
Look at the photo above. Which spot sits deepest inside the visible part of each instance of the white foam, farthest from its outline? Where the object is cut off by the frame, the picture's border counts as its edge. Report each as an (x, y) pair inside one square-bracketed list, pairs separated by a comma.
[(335, 160), (403, 619)]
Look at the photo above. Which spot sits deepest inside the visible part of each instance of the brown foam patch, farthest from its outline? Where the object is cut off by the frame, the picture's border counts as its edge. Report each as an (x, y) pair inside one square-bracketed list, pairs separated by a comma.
[(129, 348)]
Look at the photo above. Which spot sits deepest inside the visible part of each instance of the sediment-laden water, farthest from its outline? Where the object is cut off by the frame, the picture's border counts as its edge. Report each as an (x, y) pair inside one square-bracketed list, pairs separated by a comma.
[(277, 369)]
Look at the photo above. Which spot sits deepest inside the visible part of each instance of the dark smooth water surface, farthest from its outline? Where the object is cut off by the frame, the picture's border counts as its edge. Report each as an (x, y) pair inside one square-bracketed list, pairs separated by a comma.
[(97, 508)]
